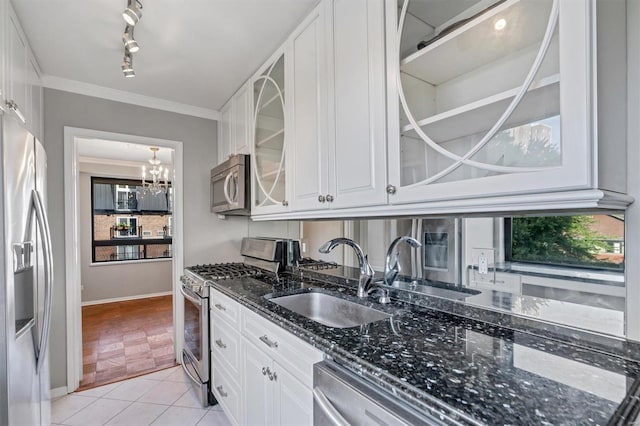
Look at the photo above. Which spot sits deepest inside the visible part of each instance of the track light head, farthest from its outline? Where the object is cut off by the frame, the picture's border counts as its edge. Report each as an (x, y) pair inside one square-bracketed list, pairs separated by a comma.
[(133, 12), (127, 65), (129, 42)]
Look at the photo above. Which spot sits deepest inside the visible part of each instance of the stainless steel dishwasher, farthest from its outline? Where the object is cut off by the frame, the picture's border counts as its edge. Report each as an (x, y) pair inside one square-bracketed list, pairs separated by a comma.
[(341, 398)]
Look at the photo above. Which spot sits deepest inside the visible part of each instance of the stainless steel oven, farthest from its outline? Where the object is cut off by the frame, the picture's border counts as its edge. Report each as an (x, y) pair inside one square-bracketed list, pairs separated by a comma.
[(230, 186), (195, 352)]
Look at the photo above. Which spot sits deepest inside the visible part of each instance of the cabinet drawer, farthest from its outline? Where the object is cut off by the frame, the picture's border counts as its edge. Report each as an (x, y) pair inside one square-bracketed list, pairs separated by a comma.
[(228, 395), (292, 353), (224, 307), (225, 347)]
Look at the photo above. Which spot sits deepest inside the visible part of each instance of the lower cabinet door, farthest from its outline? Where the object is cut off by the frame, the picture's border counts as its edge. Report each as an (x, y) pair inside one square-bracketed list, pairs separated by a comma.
[(293, 403), (258, 401)]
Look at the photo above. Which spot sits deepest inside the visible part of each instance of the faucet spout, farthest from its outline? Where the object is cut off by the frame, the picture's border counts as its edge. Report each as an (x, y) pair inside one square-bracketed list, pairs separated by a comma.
[(391, 267), (366, 271)]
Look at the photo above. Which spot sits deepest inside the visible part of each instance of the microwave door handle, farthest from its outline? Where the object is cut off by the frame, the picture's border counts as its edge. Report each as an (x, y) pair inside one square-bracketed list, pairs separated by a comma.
[(226, 187), (43, 226)]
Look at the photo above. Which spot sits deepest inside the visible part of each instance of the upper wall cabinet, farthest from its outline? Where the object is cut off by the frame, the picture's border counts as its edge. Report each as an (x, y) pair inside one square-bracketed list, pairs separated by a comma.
[(269, 159), (234, 127), (20, 76), (338, 109), (17, 69), (492, 99)]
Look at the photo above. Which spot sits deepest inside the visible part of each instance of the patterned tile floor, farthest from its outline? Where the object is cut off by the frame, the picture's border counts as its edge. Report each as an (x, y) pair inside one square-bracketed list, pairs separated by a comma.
[(162, 398), (126, 339)]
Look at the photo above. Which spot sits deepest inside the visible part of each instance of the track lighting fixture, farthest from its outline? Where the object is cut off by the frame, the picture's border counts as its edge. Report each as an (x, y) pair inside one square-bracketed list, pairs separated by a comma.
[(127, 65), (133, 12), (130, 43)]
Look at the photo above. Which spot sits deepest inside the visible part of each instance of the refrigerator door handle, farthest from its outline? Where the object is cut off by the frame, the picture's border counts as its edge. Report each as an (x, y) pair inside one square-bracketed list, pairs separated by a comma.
[(43, 225)]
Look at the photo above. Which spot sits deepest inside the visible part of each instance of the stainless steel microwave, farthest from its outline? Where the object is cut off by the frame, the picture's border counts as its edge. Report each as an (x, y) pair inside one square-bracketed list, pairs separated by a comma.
[(230, 187)]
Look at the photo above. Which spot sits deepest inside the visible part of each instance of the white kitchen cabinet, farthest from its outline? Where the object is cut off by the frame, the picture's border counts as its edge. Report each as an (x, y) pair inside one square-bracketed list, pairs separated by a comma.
[(506, 99), (269, 156), (34, 112), (17, 69), (242, 119), (225, 133), (272, 395), (338, 140), (4, 7), (234, 127)]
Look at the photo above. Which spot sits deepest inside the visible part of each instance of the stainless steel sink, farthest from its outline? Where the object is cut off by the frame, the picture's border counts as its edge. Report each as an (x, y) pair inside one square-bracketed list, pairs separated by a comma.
[(330, 310)]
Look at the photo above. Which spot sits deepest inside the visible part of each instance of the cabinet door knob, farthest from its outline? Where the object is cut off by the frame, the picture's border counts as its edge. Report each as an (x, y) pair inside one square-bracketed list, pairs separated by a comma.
[(221, 344), (321, 198), (391, 189), (264, 371), (221, 391), (285, 203), (329, 198)]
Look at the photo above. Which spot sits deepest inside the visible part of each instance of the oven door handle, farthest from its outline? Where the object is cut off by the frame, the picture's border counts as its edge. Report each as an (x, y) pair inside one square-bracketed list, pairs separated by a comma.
[(186, 370), (189, 297)]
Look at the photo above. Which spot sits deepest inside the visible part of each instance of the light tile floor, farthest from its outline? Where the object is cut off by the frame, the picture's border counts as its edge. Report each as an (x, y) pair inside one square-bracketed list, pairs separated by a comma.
[(162, 398)]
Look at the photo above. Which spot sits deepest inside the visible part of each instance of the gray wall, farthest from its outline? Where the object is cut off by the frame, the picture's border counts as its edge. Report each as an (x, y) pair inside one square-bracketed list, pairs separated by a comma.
[(206, 239), (115, 280)]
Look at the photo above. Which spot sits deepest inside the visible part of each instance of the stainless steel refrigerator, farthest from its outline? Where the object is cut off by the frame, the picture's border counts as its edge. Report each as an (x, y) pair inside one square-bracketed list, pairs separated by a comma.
[(25, 302)]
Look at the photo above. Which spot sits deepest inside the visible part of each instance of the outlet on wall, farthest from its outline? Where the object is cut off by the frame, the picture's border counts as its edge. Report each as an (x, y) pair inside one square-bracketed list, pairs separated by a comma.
[(483, 266)]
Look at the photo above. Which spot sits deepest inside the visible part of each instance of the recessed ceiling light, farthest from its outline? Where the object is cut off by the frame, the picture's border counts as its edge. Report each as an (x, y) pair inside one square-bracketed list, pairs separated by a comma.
[(127, 65), (129, 42), (500, 24), (133, 12)]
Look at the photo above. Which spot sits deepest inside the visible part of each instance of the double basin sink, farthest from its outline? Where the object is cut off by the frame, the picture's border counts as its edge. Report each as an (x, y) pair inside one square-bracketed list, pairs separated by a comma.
[(337, 312)]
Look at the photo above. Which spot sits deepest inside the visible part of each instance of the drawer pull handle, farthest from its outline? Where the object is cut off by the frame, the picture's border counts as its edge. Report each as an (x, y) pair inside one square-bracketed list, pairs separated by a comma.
[(221, 344), (220, 307), (222, 392), (272, 376), (264, 371), (264, 339)]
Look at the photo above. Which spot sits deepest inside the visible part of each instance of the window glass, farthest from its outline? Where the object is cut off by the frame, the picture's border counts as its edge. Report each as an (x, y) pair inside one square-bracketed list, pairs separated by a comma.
[(129, 223), (591, 241)]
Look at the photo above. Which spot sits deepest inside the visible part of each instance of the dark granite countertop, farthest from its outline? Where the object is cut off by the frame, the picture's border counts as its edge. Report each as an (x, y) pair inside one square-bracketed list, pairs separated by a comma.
[(473, 367)]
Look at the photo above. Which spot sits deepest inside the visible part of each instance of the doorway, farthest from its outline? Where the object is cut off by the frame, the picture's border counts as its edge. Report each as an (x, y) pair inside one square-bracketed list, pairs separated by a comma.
[(122, 319)]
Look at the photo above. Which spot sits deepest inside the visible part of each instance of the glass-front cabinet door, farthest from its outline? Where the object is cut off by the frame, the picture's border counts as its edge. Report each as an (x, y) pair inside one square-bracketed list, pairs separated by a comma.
[(487, 98), (269, 189)]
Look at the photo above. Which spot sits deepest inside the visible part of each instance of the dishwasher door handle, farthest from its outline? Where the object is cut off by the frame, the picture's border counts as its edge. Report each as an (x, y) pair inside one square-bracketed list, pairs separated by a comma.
[(327, 408)]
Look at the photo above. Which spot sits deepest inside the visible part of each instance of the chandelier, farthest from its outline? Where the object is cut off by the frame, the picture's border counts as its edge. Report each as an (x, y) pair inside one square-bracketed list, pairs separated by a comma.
[(155, 186)]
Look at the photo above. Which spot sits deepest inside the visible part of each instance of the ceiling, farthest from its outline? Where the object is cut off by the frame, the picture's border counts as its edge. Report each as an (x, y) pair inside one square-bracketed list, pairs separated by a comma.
[(193, 52), (114, 152)]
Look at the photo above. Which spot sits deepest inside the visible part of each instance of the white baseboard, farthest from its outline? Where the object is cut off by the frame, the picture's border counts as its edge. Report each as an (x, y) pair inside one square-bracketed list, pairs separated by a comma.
[(124, 299), (58, 392)]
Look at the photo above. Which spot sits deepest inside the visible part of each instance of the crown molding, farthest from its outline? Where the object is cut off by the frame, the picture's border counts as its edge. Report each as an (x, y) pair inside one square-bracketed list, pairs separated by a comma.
[(93, 90)]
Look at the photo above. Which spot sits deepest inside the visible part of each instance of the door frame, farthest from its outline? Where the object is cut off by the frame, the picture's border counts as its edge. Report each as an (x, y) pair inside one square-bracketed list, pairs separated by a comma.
[(72, 239)]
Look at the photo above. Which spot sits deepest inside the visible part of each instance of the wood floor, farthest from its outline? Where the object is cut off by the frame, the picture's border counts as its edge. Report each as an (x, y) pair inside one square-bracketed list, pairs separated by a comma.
[(126, 339)]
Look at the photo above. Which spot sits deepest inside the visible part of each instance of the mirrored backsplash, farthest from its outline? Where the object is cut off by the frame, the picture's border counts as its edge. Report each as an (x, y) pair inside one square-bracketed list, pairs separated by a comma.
[(566, 269)]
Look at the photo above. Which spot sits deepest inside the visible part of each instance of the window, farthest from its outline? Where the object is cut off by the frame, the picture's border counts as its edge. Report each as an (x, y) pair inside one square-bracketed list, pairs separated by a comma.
[(586, 241), (127, 223), (126, 198), (126, 227)]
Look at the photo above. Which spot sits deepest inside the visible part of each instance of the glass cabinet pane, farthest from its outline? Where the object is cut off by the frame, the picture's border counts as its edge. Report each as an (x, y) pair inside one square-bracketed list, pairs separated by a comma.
[(479, 89), (269, 147)]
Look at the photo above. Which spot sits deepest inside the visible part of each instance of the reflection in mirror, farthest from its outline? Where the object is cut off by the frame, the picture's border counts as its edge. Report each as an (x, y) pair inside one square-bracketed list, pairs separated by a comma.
[(565, 269)]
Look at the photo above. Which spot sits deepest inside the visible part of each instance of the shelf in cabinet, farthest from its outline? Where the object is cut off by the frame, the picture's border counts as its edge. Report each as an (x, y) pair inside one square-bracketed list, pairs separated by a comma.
[(272, 173), (271, 108), (477, 43), (270, 139), (480, 115)]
